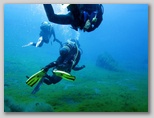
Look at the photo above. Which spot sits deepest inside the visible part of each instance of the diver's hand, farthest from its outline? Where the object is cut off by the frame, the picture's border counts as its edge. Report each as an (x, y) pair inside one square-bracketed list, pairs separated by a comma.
[(45, 69), (87, 25)]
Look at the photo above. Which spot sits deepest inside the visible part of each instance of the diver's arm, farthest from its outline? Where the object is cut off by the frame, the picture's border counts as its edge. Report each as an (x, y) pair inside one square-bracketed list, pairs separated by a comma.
[(59, 19), (60, 43), (55, 39), (53, 32), (51, 65)]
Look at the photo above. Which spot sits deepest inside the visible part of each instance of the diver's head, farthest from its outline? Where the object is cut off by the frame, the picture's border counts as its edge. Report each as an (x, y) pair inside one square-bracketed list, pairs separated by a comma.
[(70, 44), (75, 41), (67, 47), (64, 50), (45, 26), (44, 23)]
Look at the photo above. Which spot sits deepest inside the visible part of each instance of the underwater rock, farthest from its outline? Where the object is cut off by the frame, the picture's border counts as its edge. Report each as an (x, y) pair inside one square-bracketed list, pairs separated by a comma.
[(39, 107), (106, 61), (11, 106)]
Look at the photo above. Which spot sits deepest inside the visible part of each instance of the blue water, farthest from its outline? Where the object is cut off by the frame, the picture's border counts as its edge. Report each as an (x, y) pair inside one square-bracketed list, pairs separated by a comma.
[(123, 34)]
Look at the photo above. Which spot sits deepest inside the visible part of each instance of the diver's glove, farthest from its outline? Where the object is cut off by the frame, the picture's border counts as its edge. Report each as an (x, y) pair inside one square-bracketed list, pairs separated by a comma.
[(52, 64), (87, 25), (78, 68), (45, 69)]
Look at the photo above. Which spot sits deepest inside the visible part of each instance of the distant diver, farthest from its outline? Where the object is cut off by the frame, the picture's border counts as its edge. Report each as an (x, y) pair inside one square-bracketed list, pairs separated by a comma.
[(46, 32), (86, 17)]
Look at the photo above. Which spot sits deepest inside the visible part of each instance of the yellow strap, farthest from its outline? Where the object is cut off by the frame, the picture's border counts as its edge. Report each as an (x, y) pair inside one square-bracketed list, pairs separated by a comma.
[(76, 55)]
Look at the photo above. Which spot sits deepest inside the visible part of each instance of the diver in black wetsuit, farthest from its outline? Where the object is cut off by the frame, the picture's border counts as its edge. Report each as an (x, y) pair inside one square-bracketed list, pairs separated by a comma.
[(86, 17), (68, 60), (46, 32)]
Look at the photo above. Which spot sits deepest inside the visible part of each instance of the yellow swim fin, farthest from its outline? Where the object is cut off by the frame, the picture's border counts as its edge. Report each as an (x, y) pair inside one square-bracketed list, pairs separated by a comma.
[(35, 78), (64, 75)]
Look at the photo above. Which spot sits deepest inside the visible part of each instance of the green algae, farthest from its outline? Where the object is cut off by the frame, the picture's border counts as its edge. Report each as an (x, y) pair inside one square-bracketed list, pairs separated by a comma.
[(106, 92)]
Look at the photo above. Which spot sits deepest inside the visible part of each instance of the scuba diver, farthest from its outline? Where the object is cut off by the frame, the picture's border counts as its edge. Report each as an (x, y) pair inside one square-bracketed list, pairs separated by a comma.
[(68, 59), (61, 68), (46, 32), (86, 17)]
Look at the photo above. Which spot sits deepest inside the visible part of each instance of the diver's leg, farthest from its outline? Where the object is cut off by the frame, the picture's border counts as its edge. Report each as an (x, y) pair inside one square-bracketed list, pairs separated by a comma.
[(51, 79), (56, 79), (29, 44), (49, 11), (61, 44), (37, 88), (40, 42), (48, 80), (66, 19)]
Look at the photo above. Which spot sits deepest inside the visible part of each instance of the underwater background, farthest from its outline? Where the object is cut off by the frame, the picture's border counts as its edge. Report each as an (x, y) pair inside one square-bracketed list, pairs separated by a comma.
[(115, 55)]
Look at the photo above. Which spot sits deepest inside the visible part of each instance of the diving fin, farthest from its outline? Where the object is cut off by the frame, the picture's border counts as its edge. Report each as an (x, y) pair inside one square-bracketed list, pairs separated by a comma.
[(29, 44), (37, 88), (64, 75), (35, 78)]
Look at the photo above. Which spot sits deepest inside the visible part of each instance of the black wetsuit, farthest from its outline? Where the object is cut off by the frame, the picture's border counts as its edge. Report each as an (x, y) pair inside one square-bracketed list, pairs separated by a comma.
[(75, 17), (65, 62)]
